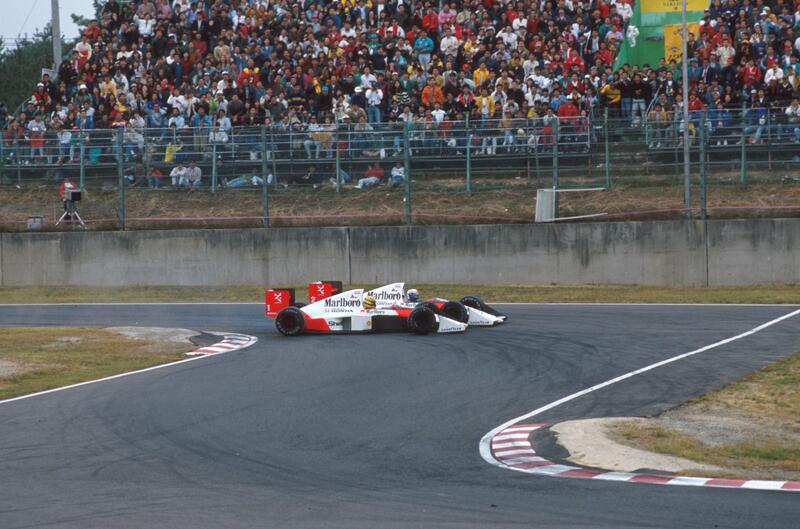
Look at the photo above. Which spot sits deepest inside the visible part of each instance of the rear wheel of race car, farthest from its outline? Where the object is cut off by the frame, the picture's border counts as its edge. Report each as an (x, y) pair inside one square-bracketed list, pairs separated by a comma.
[(474, 302), (290, 321), (422, 320), (455, 311)]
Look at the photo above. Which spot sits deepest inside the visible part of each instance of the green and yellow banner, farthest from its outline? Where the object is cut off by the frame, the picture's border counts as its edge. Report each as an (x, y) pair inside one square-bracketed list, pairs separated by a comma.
[(657, 31)]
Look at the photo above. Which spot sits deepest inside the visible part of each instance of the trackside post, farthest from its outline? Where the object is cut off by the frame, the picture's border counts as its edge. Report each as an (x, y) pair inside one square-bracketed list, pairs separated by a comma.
[(606, 169), (264, 183), (407, 171), (555, 133), (120, 182), (338, 160)]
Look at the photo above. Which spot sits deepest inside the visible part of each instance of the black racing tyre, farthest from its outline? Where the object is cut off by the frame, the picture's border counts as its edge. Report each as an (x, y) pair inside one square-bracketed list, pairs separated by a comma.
[(477, 303), (455, 311), (473, 301), (300, 304), (290, 321), (422, 320), (430, 305)]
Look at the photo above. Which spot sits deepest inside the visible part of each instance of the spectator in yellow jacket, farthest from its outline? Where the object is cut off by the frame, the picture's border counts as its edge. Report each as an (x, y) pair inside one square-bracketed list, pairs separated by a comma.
[(480, 75)]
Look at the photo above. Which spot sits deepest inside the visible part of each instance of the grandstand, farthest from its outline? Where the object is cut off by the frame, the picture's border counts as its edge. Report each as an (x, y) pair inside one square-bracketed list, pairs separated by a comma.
[(271, 86)]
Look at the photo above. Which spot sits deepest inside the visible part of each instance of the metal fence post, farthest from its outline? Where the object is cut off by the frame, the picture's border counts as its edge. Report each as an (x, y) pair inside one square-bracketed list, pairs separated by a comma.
[(702, 153), (555, 167), (338, 160), (121, 182), (769, 139), (82, 151), (469, 160), (274, 157), (743, 170), (407, 173), (146, 155), (536, 138), (264, 183), (606, 161), (213, 167)]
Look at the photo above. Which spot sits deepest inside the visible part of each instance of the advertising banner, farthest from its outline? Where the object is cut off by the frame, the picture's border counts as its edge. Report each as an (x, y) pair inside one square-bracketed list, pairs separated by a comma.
[(654, 31), (673, 41)]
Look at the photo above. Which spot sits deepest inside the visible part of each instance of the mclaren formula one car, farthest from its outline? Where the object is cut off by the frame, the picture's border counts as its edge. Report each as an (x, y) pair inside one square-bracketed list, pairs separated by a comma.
[(470, 310), (345, 312)]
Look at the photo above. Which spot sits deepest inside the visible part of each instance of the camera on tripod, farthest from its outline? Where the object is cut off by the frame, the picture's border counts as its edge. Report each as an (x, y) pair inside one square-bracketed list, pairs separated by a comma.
[(72, 195)]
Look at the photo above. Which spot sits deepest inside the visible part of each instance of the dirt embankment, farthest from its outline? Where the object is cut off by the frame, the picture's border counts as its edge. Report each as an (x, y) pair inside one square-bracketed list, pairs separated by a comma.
[(445, 203)]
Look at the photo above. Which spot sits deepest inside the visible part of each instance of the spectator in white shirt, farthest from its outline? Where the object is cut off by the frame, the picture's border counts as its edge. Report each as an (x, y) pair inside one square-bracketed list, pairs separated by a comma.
[(449, 44), (374, 97), (775, 73), (178, 175), (398, 174), (145, 25), (367, 78), (437, 113), (624, 9), (509, 38), (194, 175)]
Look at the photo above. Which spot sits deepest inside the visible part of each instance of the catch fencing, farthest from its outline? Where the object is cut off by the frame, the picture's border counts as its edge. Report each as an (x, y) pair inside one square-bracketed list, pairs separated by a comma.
[(431, 171)]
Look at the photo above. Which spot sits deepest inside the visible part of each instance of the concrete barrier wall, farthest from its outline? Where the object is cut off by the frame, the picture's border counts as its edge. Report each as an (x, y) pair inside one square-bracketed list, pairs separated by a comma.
[(648, 253), (743, 252), (651, 253), (201, 257)]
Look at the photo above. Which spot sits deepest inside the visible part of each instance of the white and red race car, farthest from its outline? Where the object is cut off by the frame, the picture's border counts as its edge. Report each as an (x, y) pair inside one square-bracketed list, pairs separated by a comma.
[(344, 312), (470, 310)]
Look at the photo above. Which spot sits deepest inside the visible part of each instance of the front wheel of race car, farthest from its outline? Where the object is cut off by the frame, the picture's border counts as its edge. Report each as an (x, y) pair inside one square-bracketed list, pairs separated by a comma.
[(422, 320), (455, 311), (474, 302), (290, 321), (477, 303)]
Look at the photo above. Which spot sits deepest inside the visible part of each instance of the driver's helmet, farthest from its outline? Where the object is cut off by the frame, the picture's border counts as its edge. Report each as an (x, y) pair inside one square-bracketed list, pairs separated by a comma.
[(369, 303), (412, 295)]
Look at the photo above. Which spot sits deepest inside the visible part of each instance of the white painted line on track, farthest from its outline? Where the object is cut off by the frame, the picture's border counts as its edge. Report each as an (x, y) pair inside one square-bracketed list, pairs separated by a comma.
[(252, 341), (485, 446)]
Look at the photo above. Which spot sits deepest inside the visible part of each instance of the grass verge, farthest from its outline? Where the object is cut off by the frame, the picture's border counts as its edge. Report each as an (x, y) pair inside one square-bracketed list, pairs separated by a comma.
[(789, 294), (39, 358), (766, 402)]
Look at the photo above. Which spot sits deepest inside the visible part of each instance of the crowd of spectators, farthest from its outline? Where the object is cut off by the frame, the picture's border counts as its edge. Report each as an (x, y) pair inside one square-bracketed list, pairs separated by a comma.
[(316, 66)]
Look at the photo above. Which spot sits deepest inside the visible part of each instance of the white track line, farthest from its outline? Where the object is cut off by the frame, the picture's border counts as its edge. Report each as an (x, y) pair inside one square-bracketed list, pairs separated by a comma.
[(121, 375), (485, 445)]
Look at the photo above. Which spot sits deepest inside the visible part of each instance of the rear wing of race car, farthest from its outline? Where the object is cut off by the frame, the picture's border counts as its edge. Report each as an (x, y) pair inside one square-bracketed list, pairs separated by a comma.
[(277, 299), (319, 290)]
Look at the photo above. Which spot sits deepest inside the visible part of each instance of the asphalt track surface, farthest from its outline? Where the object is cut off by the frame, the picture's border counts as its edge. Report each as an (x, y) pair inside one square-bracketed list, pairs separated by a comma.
[(370, 431)]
